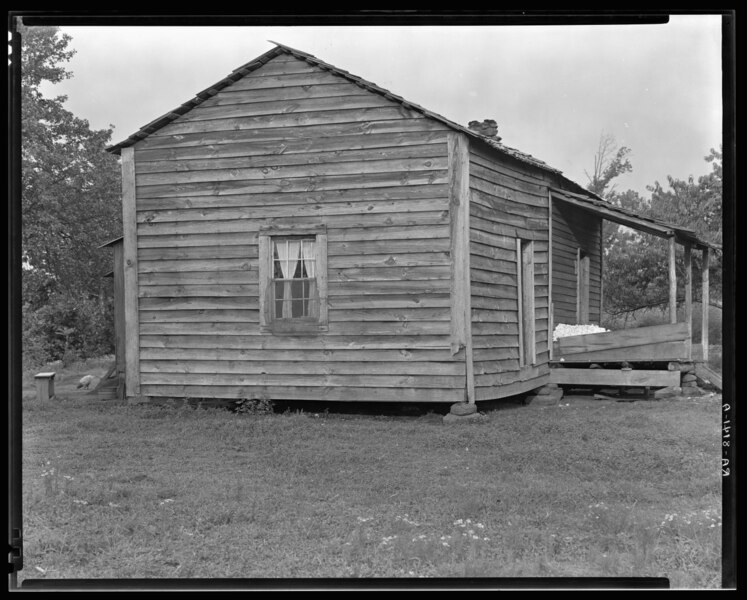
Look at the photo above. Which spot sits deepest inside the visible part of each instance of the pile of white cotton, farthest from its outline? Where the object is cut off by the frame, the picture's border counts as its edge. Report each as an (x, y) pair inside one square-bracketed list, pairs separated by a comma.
[(563, 330)]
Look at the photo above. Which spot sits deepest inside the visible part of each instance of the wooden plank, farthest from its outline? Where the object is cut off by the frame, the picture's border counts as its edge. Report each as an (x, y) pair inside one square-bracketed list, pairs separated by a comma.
[(304, 354), (659, 351), (296, 184), (228, 96), (326, 394), (290, 199), (322, 277), (689, 300), (639, 336), (708, 375), (211, 265), (395, 247), (512, 389), (219, 173), (284, 151), (255, 83), (398, 273), (288, 121), (307, 210), (398, 315), (253, 340), (120, 324), (197, 252), (215, 161), (528, 293), (389, 301), (230, 111), (244, 293), (704, 303), (459, 224), (130, 262), (615, 377), (551, 324), (356, 221), (398, 126), (393, 381), (672, 281), (207, 302), (199, 277), (369, 288), (582, 290), (290, 368)]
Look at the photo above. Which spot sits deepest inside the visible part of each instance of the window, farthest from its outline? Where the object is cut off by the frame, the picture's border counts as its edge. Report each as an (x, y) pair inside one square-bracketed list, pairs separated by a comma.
[(293, 280)]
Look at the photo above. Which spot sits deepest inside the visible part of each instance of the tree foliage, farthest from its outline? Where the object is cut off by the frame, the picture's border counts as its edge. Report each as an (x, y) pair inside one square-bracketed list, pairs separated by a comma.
[(69, 195), (610, 161), (636, 264)]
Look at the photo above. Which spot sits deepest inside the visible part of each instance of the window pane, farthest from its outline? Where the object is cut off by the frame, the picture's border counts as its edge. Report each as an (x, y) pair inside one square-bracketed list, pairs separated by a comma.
[(279, 286)]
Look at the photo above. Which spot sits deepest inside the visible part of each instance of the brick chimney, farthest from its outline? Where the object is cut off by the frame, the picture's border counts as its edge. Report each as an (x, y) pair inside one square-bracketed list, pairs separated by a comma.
[(488, 128)]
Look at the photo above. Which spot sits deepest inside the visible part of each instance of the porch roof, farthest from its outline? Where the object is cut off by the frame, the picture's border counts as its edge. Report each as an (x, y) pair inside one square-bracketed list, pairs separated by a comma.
[(626, 217)]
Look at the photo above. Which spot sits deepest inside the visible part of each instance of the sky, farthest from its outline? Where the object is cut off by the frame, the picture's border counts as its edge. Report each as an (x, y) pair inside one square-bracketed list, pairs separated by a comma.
[(554, 90)]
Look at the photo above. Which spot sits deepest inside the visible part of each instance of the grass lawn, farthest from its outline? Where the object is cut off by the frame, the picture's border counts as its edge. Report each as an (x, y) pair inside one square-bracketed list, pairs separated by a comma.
[(587, 488)]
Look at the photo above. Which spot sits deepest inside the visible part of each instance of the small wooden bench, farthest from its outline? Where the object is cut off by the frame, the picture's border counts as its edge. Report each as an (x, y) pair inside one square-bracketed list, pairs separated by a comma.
[(44, 386)]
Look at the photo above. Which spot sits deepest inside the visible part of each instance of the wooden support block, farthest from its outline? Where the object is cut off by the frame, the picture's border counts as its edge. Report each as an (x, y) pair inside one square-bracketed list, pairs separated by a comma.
[(44, 386)]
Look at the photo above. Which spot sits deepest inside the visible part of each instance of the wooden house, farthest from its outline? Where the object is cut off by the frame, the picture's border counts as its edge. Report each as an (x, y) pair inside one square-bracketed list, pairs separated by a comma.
[(296, 232)]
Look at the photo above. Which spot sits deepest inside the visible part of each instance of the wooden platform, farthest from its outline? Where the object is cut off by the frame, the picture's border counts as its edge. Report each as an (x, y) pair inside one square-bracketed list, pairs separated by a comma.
[(615, 377), (656, 343)]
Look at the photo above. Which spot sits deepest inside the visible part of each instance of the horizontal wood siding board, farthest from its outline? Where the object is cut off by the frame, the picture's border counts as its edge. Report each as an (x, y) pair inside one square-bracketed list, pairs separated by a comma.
[(255, 109), (288, 159), (346, 328), (322, 117), (282, 172), (308, 210), (253, 340), (237, 293), (376, 356), (285, 151), (291, 368), (273, 134), (327, 394), (247, 225), (200, 315), (293, 184), (321, 380), (394, 192)]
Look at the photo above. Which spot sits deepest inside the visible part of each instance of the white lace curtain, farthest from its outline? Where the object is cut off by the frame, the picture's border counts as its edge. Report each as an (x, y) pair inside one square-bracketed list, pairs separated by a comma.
[(289, 252)]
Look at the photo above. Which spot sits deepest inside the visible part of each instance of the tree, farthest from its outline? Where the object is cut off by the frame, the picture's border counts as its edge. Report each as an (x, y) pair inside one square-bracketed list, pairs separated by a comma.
[(635, 272), (70, 189), (609, 162)]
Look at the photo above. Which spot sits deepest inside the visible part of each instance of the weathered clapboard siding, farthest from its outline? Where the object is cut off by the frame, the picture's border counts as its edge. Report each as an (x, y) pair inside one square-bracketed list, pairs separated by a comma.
[(508, 201), (291, 144), (573, 228)]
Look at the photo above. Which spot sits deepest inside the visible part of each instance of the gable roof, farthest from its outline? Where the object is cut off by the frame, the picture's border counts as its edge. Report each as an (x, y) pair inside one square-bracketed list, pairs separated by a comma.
[(280, 49), (582, 197)]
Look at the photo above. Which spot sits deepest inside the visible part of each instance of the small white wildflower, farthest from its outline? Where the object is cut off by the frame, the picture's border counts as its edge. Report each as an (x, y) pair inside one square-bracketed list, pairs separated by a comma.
[(458, 522), (471, 531), (475, 537), (487, 539), (468, 521), (166, 501), (80, 502), (113, 505), (480, 526), (68, 477), (445, 544)]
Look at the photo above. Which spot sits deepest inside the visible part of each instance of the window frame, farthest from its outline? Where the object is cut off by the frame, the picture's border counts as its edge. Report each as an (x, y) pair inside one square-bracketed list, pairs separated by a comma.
[(300, 325)]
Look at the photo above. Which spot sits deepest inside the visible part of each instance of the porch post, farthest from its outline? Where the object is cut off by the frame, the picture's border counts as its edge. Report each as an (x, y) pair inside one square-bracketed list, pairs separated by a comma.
[(672, 282), (704, 306), (689, 299)]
